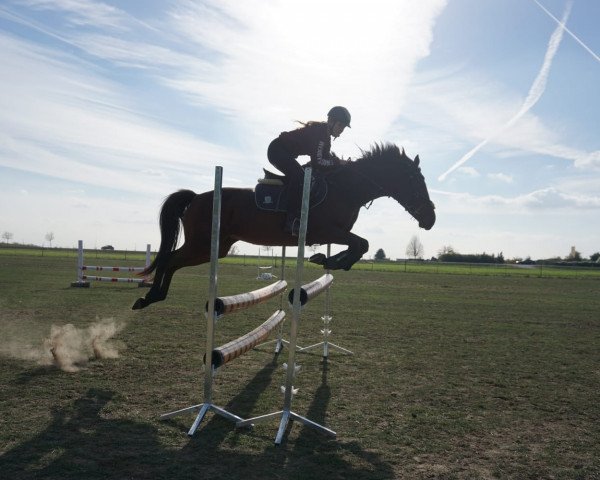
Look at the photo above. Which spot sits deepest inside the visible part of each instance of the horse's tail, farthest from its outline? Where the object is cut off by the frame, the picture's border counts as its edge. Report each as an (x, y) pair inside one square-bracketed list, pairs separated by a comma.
[(170, 215)]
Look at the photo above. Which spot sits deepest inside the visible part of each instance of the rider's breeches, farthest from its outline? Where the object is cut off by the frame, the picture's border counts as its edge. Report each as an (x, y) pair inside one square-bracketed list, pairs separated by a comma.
[(287, 164)]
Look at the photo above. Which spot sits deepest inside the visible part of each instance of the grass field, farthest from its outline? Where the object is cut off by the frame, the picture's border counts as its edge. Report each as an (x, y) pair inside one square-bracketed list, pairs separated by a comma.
[(407, 266), (453, 376)]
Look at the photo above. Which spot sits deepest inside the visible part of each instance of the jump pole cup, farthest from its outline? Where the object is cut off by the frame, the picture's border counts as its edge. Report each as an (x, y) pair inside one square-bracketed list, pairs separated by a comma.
[(326, 325)]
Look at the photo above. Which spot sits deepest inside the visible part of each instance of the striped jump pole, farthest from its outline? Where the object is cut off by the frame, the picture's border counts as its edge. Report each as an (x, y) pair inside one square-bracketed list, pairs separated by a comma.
[(287, 414), (83, 280), (233, 303), (312, 289), (232, 350)]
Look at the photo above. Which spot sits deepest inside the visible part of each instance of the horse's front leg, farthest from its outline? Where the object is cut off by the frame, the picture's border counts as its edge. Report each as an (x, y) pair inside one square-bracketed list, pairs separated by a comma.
[(357, 247)]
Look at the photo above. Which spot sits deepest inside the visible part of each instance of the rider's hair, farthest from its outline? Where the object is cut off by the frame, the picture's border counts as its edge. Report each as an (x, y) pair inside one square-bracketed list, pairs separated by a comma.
[(308, 123)]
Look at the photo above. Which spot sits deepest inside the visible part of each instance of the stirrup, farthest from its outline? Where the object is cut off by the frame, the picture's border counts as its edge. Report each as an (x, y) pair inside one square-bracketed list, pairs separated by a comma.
[(292, 226), (270, 181)]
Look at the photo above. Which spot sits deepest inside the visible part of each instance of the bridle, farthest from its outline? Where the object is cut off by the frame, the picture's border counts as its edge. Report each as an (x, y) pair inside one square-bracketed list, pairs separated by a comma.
[(419, 202)]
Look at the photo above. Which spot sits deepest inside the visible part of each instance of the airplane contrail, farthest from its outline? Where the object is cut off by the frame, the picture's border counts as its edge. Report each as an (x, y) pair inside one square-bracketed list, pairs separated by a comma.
[(589, 50), (535, 92)]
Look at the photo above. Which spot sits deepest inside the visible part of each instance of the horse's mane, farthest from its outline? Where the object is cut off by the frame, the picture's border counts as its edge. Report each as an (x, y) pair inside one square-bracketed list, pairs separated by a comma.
[(379, 151)]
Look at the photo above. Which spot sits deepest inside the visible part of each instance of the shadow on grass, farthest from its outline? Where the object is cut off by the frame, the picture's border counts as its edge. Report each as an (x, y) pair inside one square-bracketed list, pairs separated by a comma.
[(311, 455), (31, 375), (80, 444)]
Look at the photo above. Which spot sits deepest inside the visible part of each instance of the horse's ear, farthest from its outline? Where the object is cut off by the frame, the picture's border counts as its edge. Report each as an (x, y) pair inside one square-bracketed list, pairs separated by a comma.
[(417, 161), (403, 154)]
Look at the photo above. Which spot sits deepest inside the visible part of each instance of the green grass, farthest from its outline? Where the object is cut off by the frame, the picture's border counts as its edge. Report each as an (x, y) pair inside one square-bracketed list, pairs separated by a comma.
[(99, 256), (454, 376)]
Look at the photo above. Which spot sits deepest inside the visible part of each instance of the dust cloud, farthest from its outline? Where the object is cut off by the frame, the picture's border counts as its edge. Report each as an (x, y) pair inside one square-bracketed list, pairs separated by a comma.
[(68, 347)]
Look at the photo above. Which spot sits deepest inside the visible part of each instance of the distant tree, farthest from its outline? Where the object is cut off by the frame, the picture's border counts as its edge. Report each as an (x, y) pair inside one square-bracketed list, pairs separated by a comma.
[(445, 250), (574, 256), (470, 258), (594, 257), (380, 254), (7, 236), (414, 249), (49, 238)]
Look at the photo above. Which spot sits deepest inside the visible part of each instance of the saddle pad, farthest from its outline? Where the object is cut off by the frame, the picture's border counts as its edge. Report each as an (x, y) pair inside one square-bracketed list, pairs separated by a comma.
[(274, 197), (270, 197)]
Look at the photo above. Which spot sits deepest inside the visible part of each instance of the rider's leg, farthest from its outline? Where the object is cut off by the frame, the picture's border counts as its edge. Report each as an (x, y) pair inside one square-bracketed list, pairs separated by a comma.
[(288, 165)]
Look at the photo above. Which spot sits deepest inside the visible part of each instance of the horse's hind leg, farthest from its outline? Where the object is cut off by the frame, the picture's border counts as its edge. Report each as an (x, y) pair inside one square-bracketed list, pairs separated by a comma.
[(188, 258), (185, 256), (182, 257), (154, 294)]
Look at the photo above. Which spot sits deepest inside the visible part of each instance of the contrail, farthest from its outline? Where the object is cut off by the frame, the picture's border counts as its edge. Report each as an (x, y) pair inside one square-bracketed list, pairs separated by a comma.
[(535, 92), (589, 50)]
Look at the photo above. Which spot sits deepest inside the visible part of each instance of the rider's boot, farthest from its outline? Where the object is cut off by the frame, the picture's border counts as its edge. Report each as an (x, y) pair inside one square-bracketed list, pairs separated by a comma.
[(292, 219)]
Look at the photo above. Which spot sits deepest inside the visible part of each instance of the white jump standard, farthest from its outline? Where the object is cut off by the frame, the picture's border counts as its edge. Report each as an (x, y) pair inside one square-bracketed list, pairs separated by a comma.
[(287, 414), (326, 318), (217, 307), (83, 280)]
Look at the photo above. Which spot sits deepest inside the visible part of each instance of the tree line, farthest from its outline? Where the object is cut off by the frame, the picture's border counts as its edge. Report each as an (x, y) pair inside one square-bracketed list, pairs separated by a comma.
[(415, 249), (8, 236)]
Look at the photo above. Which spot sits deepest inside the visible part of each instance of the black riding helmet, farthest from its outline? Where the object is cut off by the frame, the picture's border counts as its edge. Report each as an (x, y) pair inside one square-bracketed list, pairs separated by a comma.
[(341, 114)]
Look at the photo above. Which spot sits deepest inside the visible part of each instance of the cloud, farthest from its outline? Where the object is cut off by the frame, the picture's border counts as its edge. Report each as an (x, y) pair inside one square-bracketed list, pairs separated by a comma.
[(502, 177), (82, 12), (549, 198), (535, 93), (221, 55), (218, 55), (58, 119), (469, 171)]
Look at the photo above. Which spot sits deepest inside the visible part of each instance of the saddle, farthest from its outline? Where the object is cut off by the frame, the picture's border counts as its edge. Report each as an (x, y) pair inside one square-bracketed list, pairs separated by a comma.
[(271, 192)]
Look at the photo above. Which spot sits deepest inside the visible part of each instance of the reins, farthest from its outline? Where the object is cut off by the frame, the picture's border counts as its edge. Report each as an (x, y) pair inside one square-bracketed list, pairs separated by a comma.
[(413, 210)]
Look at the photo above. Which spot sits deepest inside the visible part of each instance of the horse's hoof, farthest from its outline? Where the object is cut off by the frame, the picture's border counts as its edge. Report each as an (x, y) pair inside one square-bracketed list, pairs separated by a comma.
[(331, 264), (139, 304), (318, 258)]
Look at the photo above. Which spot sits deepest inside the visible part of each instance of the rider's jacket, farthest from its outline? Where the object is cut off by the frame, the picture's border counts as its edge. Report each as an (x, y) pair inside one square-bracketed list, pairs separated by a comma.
[(312, 139)]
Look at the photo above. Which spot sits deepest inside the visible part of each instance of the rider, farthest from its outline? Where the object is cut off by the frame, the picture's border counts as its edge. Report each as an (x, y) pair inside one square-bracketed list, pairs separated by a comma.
[(312, 139)]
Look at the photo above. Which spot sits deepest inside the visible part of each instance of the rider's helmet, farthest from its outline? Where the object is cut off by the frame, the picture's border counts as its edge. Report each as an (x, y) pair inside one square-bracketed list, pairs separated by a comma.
[(340, 114)]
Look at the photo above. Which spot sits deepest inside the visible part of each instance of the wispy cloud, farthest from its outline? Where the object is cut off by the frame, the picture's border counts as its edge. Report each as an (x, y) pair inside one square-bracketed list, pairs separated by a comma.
[(83, 12), (502, 177), (107, 97), (535, 93), (549, 198), (78, 127), (226, 52), (470, 172)]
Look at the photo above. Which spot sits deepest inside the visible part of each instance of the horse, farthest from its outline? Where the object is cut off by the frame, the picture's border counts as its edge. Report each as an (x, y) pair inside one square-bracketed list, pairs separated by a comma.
[(382, 171)]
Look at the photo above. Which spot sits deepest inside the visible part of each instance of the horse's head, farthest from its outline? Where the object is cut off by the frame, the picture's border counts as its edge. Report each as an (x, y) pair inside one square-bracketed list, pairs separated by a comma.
[(400, 177)]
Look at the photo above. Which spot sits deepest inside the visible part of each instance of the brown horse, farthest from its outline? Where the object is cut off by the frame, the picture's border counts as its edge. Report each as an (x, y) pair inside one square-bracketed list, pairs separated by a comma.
[(383, 171)]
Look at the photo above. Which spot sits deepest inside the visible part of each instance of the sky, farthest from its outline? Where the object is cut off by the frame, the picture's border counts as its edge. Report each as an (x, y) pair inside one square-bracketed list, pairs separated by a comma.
[(108, 107)]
